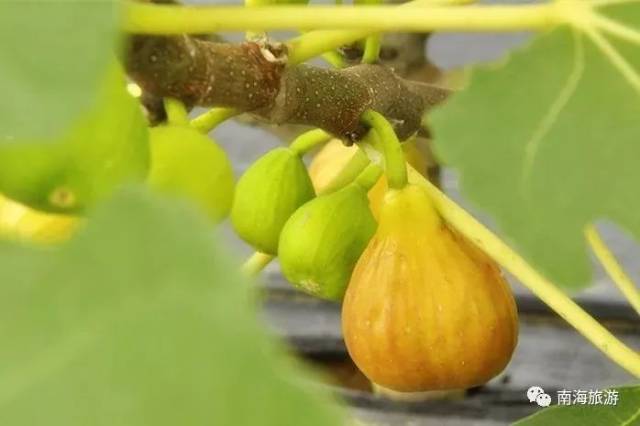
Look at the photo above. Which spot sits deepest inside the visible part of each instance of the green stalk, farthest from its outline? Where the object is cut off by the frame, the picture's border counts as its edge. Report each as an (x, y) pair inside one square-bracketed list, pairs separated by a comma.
[(372, 42), (334, 59), (369, 176), (208, 121), (371, 49), (176, 112), (314, 43), (610, 264), (394, 161), (256, 263), (353, 168), (309, 140), (163, 19)]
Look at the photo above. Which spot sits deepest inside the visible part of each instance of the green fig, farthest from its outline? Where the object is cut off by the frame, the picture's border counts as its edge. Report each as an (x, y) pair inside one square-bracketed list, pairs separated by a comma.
[(70, 173), (186, 163), (268, 193), (322, 241)]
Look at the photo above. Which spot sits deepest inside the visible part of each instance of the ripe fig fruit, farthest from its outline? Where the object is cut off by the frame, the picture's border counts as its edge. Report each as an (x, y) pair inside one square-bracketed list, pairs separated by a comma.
[(321, 242), (268, 193), (188, 164), (19, 222), (426, 309)]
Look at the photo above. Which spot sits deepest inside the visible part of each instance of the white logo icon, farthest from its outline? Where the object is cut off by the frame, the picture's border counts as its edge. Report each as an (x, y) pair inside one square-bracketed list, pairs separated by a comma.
[(536, 393), (544, 400), (533, 392)]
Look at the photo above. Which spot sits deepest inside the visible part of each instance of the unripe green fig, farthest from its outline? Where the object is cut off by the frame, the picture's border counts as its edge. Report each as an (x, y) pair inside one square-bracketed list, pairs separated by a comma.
[(322, 241), (69, 173), (188, 164), (268, 193)]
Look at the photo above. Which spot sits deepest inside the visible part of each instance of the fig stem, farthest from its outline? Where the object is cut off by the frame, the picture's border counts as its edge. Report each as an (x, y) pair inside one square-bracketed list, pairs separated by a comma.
[(369, 176), (371, 49), (309, 140), (334, 59), (372, 43), (209, 120), (176, 112), (394, 162), (544, 289), (256, 263), (612, 266)]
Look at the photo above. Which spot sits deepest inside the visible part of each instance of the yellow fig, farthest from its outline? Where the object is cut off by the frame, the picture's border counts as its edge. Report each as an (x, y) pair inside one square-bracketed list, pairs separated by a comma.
[(425, 309), (19, 222)]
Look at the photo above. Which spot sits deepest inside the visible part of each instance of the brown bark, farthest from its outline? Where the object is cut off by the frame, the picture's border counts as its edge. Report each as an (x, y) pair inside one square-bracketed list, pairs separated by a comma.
[(253, 77)]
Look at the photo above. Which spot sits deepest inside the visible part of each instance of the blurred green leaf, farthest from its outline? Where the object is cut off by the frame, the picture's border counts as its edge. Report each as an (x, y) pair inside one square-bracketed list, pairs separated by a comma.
[(53, 55), (141, 320), (547, 143), (625, 413), (106, 147)]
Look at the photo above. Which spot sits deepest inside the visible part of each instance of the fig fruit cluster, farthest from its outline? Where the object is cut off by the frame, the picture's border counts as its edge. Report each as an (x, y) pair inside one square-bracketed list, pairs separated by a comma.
[(317, 239), (184, 163), (424, 308)]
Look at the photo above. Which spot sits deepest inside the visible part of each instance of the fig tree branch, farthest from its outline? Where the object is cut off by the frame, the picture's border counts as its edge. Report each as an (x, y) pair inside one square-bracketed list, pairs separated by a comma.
[(254, 77)]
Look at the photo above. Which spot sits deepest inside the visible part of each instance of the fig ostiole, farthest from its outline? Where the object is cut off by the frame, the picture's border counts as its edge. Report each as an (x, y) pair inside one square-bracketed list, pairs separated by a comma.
[(188, 164), (425, 309), (267, 194), (321, 242)]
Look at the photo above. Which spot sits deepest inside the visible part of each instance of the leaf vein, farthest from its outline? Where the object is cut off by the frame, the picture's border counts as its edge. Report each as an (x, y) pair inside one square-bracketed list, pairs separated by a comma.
[(532, 145), (616, 59), (633, 417)]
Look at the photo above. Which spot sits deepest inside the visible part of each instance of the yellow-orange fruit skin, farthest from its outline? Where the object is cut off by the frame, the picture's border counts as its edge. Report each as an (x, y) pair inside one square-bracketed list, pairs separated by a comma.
[(425, 309)]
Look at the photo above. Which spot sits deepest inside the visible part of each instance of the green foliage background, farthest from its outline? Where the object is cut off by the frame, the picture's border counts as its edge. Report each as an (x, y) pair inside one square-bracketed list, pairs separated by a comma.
[(141, 320)]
